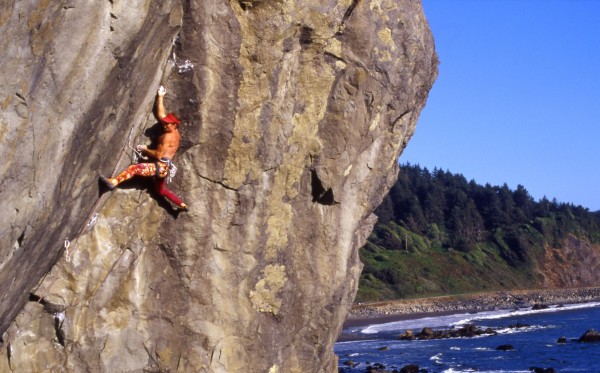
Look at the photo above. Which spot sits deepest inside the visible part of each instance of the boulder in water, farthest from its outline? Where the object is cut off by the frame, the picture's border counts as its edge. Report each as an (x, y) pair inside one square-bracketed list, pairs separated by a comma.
[(542, 370), (407, 336), (377, 367), (426, 333), (410, 368), (539, 306), (506, 347), (590, 336)]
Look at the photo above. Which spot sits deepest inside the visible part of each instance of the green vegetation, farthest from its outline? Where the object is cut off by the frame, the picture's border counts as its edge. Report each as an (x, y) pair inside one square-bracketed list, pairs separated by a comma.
[(440, 234)]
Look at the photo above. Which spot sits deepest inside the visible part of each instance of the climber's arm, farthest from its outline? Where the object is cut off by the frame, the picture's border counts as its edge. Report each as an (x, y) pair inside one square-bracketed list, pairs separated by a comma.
[(160, 104), (148, 152)]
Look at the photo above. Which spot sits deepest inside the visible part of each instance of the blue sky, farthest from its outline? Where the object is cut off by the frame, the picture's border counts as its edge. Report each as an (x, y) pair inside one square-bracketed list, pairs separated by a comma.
[(517, 100)]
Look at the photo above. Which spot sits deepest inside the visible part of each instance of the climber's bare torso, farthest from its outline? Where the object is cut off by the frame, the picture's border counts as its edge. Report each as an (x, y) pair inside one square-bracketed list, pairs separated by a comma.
[(168, 143)]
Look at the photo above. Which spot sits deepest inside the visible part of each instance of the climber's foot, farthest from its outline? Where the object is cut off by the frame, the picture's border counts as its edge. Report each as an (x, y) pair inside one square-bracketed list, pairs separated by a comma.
[(183, 208), (108, 183)]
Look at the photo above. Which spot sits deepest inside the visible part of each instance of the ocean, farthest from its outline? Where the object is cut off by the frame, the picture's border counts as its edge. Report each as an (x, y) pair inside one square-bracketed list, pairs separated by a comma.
[(534, 342)]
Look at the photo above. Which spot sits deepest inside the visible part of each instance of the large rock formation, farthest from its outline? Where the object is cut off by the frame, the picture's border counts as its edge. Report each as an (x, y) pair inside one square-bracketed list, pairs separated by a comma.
[(294, 114)]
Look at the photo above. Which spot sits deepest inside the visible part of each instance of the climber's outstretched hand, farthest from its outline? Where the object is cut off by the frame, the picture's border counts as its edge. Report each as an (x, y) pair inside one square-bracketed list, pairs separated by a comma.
[(161, 91)]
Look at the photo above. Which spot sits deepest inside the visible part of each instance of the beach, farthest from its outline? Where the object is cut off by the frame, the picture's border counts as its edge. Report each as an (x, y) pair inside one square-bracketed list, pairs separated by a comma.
[(404, 309)]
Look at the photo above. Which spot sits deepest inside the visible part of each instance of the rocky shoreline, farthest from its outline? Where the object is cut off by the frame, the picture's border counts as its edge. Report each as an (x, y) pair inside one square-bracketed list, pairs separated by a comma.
[(381, 312), (474, 302)]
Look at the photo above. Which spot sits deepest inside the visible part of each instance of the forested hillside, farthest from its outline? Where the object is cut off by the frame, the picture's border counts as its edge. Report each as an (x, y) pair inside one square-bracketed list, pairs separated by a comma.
[(441, 234)]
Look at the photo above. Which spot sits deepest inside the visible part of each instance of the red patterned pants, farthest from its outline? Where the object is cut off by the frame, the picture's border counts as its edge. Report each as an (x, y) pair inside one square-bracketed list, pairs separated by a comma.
[(149, 170)]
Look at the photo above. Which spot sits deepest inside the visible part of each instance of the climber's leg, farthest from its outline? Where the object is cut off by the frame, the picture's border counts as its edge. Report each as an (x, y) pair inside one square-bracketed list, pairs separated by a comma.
[(140, 169), (161, 188)]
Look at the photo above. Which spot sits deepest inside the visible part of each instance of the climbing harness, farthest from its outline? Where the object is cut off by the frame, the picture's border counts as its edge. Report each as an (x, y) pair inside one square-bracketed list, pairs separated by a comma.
[(170, 167), (172, 172)]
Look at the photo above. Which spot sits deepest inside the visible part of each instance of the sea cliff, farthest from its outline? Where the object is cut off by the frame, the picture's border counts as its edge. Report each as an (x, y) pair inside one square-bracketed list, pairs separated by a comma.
[(293, 115)]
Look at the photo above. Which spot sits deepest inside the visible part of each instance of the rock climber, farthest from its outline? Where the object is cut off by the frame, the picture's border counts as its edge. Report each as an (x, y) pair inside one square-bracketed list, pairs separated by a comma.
[(159, 164)]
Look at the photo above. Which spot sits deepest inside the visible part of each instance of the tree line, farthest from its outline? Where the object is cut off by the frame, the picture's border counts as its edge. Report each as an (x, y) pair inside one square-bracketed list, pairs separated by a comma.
[(441, 211)]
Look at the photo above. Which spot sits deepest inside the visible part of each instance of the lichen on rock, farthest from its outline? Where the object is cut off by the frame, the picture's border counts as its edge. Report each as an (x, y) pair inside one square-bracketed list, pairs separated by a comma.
[(264, 297)]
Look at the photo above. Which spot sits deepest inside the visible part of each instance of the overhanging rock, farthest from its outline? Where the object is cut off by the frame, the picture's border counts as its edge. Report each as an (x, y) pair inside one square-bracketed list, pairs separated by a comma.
[(277, 98)]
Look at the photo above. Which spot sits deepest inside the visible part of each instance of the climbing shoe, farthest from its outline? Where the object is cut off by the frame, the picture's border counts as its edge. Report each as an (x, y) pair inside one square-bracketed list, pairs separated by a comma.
[(107, 183)]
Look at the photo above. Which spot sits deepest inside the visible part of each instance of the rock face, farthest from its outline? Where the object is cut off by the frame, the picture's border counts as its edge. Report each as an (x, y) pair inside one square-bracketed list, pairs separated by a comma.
[(294, 114), (75, 79), (575, 263)]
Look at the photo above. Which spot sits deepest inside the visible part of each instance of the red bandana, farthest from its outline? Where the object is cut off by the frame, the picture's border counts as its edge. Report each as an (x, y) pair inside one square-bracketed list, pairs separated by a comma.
[(170, 118)]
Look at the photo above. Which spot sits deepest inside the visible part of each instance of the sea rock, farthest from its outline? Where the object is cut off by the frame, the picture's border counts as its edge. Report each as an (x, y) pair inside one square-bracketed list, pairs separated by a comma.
[(542, 370), (539, 306), (377, 368), (590, 336), (505, 347), (469, 330), (426, 333), (466, 331), (350, 363), (410, 368), (294, 115), (407, 336), (562, 340)]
